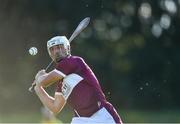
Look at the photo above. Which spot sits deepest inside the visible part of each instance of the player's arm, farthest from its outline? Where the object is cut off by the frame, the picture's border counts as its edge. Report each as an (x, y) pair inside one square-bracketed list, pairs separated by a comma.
[(54, 104), (46, 79)]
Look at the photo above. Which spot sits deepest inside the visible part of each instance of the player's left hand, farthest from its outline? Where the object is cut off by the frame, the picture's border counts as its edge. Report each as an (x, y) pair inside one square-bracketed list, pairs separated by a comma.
[(37, 88), (40, 73)]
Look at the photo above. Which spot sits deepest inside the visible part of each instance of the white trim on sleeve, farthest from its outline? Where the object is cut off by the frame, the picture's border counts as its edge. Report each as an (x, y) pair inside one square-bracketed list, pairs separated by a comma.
[(58, 93), (69, 82)]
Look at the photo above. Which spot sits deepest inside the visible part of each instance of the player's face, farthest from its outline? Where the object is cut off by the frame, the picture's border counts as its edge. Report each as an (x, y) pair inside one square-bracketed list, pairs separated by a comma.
[(58, 52)]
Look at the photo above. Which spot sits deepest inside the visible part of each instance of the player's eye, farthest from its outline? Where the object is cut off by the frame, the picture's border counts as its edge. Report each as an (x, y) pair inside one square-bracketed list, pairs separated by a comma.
[(51, 49), (60, 46)]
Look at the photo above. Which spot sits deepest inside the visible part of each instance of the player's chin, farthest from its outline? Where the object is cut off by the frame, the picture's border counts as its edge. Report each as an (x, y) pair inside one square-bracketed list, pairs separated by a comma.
[(57, 59)]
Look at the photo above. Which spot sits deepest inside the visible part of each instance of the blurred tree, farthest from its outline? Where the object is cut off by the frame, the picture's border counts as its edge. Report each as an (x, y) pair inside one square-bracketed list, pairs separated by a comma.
[(131, 45)]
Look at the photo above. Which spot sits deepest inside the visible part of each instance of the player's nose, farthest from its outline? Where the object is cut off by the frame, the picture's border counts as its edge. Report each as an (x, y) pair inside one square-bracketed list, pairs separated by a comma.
[(55, 50)]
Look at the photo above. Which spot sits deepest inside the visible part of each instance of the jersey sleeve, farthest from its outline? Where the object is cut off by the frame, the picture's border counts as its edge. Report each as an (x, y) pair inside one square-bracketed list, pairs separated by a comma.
[(67, 66)]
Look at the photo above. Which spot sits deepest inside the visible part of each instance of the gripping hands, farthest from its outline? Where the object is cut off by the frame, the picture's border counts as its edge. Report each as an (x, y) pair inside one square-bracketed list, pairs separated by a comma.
[(37, 80)]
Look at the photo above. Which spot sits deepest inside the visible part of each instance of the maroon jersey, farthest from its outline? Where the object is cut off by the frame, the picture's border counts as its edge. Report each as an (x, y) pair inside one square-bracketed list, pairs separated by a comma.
[(87, 96)]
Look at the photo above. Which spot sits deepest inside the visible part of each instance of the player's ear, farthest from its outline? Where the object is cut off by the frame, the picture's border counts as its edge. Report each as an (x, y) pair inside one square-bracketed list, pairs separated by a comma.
[(69, 49)]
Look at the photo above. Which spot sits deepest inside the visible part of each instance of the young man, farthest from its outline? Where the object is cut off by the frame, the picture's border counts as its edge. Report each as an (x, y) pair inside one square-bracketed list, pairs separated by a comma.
[(76, 85)]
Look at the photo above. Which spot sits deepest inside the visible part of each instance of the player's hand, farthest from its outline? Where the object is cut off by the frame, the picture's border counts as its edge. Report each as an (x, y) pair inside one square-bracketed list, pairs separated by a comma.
[(37, 81), (37, 88), (40, 73)]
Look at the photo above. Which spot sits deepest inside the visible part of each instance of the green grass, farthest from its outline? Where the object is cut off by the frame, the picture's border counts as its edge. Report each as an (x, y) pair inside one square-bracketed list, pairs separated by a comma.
[(130, 116), (32, 117), (27, 117)]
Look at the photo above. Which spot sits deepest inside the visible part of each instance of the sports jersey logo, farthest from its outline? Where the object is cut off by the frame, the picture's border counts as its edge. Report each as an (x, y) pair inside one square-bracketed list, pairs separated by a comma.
[(66, 90)]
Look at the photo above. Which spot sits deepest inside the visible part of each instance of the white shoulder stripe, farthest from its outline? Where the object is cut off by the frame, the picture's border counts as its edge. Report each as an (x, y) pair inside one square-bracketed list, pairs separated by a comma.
[(69, 82), (73, 79)]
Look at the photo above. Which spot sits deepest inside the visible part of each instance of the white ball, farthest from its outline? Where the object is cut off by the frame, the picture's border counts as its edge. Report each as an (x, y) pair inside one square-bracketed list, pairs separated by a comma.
[(33, 51)]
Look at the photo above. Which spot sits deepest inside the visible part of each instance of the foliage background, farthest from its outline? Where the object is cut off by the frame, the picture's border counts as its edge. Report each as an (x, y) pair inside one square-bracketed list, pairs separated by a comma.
[(132, 46)]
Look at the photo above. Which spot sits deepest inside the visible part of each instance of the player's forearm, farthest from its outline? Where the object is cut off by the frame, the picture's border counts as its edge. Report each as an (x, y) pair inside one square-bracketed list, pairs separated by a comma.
[(45, 80), (47, 100), (49, 78), (44, 97)]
